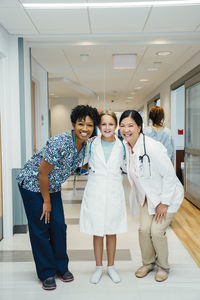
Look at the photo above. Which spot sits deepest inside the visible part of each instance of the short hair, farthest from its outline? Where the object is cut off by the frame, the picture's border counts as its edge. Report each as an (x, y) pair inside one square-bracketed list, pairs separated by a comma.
[(134, 115), (80, 112), (109, 113), (157, 115)]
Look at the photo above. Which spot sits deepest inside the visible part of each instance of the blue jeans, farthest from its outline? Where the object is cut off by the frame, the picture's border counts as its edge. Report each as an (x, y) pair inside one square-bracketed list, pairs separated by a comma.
[(48, 241)]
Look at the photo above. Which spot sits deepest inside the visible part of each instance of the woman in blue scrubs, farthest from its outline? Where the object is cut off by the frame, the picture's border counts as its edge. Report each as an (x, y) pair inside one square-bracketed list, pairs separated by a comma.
[(40, 186)]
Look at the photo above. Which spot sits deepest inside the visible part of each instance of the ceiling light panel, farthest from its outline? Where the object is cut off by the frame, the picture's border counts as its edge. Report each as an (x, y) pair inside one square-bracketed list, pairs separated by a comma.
[(99, 4), (163, 53), (124, 61), (144, 80)]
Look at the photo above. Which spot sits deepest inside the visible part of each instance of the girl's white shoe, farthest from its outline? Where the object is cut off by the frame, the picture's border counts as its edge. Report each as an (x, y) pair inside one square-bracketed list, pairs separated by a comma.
[(97, 275), (113, 274)]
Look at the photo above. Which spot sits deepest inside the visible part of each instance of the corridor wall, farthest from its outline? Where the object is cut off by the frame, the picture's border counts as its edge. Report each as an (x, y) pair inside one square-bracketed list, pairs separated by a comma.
[(10, 121), (164, 88)]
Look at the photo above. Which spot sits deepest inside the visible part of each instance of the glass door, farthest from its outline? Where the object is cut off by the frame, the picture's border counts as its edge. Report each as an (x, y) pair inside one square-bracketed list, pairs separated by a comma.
[(192, 140)]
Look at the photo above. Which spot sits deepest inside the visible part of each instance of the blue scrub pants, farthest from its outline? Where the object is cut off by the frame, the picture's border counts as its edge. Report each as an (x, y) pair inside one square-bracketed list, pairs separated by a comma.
[(48, 241)]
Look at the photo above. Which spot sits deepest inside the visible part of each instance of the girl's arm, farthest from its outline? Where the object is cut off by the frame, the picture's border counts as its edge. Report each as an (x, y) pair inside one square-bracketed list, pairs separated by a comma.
[(44, 170)]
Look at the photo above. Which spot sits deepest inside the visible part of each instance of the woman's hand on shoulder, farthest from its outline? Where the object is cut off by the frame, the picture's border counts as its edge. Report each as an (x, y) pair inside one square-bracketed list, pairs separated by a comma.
[(161, 211)]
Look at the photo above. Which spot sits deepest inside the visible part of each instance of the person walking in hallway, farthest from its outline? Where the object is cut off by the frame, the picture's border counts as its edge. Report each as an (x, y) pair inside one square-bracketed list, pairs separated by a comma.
[(40, 186), (158, 132), (156, 193), (103, 209)]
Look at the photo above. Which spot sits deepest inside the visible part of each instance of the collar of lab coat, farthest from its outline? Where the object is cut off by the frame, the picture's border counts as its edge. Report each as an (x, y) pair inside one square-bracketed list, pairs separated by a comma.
[(101, 153), (136, 148)]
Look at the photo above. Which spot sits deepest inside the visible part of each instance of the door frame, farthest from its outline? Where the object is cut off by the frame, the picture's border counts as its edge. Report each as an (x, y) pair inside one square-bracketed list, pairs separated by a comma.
[(189, 83)]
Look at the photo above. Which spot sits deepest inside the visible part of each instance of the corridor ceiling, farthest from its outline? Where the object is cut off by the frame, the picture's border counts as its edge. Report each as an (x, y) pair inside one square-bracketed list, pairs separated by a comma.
[(60, 37)]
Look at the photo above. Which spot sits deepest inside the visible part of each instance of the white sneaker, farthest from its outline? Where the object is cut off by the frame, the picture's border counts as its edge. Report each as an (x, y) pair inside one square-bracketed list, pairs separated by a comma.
[(113, 274), (97, 275)]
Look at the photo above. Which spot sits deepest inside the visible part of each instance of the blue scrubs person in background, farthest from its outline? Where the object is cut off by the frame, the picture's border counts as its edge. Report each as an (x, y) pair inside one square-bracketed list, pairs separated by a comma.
[(40, 186)]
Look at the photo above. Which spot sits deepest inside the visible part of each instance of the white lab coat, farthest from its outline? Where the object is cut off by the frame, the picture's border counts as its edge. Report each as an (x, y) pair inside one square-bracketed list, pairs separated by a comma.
[(103, 209), (162, 186)]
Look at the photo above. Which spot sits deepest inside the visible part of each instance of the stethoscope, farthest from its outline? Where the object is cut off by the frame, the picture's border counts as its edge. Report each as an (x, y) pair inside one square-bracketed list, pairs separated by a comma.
[(78, 173), (141, 158)]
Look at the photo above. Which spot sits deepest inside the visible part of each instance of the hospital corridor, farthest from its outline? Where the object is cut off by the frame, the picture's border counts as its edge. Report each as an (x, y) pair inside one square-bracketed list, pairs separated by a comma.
[(112, 60)]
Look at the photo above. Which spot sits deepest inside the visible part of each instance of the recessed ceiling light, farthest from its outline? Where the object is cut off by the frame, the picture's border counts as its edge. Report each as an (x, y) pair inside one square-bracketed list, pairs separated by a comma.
[(130, 97), (146, 3), (133, 93), (152, 69), (138, 88), (144, 80), (163, 53)]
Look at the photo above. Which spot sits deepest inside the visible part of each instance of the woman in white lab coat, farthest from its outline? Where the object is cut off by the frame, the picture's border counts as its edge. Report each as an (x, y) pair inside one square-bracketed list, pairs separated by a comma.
[(103, 209), (156, 193)]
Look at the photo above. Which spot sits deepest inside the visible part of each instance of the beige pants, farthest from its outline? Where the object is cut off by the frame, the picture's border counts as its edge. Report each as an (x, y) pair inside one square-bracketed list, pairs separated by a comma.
[(153, 239)]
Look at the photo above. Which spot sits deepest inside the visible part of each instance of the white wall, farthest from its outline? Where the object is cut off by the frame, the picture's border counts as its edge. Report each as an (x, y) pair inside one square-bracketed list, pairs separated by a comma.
[(164, 88), (10, 122), (40, 77), (60, 114)]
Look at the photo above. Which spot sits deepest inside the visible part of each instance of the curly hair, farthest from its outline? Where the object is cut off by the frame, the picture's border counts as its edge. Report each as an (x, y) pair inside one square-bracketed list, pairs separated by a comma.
[(80, 112)]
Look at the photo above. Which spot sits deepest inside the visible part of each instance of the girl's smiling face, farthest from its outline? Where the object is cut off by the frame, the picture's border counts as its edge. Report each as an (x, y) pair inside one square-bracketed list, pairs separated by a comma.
[(107, 128)]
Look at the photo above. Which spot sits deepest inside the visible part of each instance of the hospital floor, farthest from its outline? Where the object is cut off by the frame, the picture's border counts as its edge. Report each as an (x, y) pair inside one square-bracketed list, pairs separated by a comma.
[(18, 280)]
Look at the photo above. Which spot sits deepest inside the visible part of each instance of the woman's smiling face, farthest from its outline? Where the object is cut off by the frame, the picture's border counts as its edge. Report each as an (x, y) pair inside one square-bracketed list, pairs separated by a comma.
[(129, 130), (83, 129)]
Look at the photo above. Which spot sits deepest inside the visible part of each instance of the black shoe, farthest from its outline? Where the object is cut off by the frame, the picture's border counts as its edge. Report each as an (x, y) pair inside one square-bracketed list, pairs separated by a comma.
[(66, 277), (49, 283)]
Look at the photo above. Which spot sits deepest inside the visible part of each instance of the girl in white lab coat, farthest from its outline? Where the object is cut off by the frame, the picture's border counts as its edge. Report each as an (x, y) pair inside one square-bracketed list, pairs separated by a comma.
[(103, 209), (156, 193)]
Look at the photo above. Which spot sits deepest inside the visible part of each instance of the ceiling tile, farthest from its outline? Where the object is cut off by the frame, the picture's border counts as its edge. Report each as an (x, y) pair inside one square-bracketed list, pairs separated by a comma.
[(170, 19), (54, 61), (51, 21), (9, 3), (118, 20), (15, 21)]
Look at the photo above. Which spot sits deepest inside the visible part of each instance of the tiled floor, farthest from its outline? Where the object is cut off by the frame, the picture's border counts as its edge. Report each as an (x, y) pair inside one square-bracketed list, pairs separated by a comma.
[(18, 278)]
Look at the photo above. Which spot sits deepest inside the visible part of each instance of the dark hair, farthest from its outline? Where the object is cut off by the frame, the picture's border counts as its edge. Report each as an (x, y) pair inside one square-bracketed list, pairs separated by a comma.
[(109, 113), (82, 111), (134, 115), (157, 115)]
